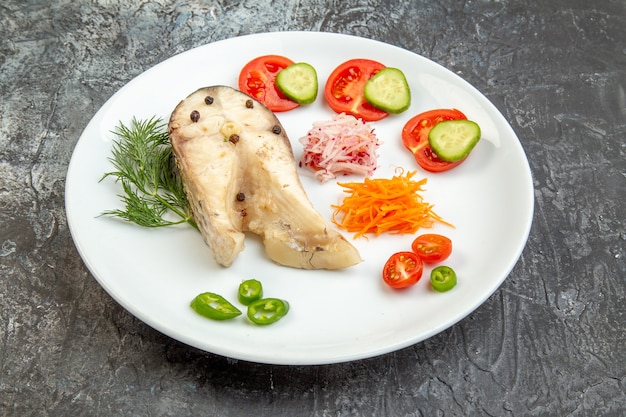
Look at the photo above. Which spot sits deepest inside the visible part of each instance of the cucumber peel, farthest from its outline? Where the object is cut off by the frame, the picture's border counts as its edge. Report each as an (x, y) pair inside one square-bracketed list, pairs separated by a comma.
[(388, 90), (298, 82), (453, 140)]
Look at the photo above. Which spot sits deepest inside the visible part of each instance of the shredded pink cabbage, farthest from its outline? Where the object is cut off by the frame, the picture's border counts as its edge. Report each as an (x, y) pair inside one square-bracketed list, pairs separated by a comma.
[(344, 145)]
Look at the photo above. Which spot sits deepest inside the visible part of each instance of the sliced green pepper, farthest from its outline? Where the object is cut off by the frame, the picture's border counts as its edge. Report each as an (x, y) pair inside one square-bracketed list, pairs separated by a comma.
[(267, 310), (250, 290), (214, 306), (443, 278)]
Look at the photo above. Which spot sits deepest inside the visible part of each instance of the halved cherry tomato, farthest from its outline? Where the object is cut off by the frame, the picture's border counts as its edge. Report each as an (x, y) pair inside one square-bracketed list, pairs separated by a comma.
[(402, 270), (432, 248), (344, 90), (415, 138), (258, 79)]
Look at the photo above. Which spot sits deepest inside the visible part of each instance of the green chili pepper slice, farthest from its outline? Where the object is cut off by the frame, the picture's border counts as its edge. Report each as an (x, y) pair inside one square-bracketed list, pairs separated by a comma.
[(214, 306), (250, 290), (443, 278), (267, 310)]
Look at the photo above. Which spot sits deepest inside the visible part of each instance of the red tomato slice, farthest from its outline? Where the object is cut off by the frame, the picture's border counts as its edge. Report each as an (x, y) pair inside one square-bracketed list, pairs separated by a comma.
[(258, 80), (415, 138), (345, 85), (432, 248), (402, 270)]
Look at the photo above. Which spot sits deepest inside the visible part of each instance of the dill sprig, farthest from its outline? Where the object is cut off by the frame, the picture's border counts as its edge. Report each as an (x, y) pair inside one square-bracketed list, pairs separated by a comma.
[(145, 166)]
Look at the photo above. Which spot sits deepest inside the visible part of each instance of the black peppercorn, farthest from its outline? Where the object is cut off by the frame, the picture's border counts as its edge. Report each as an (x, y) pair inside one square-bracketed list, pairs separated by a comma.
[(241, 196), (195, 116), (234, 138), (276, 130), (249, 104), (208, 100)]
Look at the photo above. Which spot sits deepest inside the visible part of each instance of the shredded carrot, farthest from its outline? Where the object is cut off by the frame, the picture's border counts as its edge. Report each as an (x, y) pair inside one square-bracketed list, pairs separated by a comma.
[(383, 205)]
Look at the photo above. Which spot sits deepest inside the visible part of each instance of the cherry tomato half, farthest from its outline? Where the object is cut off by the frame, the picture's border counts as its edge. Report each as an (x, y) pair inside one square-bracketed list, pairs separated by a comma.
[(344, 90), (402, 270), (258, 80), (415, 138), (432, 248)]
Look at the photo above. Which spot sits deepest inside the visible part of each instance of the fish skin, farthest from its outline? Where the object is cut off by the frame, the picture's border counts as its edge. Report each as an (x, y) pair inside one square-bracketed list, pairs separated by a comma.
[(259, 167)]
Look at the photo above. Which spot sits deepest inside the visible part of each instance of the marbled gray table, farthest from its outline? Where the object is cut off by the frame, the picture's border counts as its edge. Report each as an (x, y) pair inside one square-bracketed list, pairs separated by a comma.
[(549, 342)]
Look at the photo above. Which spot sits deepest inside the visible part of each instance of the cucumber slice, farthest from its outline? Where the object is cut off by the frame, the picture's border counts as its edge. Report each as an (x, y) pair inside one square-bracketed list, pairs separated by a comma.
[(388, 91), (453, 140), (298, 82)]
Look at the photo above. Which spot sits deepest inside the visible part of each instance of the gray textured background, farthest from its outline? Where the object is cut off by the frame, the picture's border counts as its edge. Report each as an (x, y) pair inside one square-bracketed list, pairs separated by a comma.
[(549, 342)]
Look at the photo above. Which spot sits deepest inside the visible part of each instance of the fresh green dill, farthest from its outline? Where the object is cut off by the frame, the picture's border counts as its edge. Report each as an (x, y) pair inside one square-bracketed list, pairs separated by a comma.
[(145, 166)]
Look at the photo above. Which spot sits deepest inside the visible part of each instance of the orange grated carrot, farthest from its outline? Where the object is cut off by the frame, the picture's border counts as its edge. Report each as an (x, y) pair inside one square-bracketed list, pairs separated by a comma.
[(383, 205)]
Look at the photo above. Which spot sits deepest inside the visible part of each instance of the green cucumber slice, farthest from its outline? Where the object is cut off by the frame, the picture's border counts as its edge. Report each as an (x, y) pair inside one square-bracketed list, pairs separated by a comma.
[(388, 91), (453, 140), (298, 82)]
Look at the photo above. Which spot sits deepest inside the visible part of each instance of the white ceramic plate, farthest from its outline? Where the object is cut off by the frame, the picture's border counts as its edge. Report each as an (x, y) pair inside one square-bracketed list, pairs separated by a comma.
[(335, 316)]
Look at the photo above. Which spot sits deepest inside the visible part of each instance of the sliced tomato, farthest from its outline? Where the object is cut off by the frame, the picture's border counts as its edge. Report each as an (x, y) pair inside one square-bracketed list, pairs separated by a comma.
[(415, 138), (344, 90), (432, 248), (402, 270), (258, 80)]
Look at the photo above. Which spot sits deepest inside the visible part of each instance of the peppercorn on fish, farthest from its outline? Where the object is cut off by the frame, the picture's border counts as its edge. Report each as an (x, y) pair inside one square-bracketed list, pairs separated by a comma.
[(239, 173)]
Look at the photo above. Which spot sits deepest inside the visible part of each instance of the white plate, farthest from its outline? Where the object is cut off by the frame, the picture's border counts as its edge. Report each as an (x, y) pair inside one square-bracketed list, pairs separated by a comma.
[(335, 316)]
